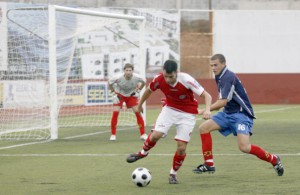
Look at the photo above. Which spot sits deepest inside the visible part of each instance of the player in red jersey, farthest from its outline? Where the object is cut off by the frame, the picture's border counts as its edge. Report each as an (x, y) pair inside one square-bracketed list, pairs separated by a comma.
[(180, 109)]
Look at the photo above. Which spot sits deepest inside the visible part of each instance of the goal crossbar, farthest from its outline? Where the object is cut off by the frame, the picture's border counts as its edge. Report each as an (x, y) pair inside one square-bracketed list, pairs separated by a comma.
[(96, 13)]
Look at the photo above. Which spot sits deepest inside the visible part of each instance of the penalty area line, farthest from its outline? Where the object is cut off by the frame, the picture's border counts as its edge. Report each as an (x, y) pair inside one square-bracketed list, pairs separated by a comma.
[(274, 110), (50, 140), (26, 144), (263, 111), (96, 133)]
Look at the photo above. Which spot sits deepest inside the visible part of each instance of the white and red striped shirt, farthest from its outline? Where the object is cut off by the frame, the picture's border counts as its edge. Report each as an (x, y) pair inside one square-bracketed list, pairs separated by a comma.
[(179, 96)]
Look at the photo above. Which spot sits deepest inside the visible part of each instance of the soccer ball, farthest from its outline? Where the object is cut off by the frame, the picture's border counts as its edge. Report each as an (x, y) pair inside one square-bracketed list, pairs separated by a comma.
[(141, 177)]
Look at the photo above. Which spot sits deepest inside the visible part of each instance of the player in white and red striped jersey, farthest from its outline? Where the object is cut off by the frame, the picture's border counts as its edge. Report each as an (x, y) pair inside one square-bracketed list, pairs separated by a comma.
[(180, 109)]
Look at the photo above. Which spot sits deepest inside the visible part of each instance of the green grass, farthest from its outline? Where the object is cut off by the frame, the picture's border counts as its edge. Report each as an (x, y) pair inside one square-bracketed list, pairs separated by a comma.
[(94, 165)]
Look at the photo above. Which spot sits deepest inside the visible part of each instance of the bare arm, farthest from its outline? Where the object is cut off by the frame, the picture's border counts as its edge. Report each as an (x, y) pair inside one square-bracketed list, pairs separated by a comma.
[(144, 97), (218, 104), (215, 106), (206, 114), (139, 87)]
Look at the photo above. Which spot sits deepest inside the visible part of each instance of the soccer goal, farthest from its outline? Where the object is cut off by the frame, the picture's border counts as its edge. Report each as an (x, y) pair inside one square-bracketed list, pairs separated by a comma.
[(58, 62)]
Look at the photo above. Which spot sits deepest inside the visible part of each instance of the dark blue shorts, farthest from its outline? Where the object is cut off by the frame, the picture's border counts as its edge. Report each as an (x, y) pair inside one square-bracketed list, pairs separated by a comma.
[(236, 123)]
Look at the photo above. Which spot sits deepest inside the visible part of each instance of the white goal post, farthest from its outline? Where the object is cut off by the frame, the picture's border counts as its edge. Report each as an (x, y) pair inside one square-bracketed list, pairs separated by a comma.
[(66, 56)]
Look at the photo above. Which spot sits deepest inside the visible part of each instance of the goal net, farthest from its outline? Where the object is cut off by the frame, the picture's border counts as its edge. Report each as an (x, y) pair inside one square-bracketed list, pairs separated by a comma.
[(59, 60)]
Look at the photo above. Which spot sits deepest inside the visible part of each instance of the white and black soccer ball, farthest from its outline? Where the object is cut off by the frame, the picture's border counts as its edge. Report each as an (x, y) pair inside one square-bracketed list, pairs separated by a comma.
[(141, 177)]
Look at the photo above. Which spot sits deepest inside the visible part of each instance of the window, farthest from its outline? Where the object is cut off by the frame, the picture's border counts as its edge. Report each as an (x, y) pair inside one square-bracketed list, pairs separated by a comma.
[(97, 62)]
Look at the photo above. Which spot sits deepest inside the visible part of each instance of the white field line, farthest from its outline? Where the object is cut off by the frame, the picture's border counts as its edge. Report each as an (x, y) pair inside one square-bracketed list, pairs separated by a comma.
[(277, 109), (102, 132), (26, 144), (70, 137), (264, 111), (84, 135), (89, 134), (111, 155)]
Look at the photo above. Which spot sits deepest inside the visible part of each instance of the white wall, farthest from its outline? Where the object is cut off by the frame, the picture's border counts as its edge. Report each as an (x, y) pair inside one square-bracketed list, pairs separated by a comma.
[(177, 4), (258, 41)]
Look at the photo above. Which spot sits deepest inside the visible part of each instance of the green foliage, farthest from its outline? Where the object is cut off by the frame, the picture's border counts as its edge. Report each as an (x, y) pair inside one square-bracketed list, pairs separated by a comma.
[(91, 164)]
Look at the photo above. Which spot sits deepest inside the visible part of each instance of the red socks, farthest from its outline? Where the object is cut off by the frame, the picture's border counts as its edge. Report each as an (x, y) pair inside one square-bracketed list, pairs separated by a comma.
[(177, 161), (207, 149), (255, 150), (148, 144), (140, 122), (114, 122), (262, 154)]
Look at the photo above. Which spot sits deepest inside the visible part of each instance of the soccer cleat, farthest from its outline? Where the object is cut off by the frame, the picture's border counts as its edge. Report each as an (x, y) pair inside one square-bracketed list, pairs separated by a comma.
[(144, 137), (278, 167), (134, 157), (173, 179), (203, 168), (113, 138)]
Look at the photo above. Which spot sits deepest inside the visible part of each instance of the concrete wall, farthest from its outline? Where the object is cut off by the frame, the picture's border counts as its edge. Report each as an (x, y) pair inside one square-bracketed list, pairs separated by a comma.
[(178, 4), (258, 41)]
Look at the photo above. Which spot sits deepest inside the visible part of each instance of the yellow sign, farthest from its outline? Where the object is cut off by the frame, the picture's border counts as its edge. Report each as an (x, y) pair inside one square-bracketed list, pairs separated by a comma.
[(97, 93)]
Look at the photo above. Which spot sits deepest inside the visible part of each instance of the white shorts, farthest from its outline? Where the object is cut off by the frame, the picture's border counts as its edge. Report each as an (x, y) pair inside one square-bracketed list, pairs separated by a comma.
[(184, 122)]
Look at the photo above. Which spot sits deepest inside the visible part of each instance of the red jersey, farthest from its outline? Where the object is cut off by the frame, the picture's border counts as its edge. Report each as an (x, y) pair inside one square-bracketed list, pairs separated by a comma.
[(179, 96)]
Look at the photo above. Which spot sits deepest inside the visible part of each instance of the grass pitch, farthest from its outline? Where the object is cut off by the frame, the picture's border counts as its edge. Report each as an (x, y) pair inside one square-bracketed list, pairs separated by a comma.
[(84, 161)]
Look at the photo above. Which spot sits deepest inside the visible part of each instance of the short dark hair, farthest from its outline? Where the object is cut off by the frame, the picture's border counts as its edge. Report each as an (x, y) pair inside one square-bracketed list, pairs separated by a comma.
[(219, 57), (127, 65), (170, 66)]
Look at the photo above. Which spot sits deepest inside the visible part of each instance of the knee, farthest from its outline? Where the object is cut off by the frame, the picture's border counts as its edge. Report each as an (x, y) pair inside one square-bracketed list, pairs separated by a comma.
[(181, 150), (155, 136), (203, 129), (245, 148)]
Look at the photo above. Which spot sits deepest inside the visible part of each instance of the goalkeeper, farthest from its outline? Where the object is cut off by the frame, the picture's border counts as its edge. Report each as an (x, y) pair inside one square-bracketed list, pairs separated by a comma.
[(126, 88)]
